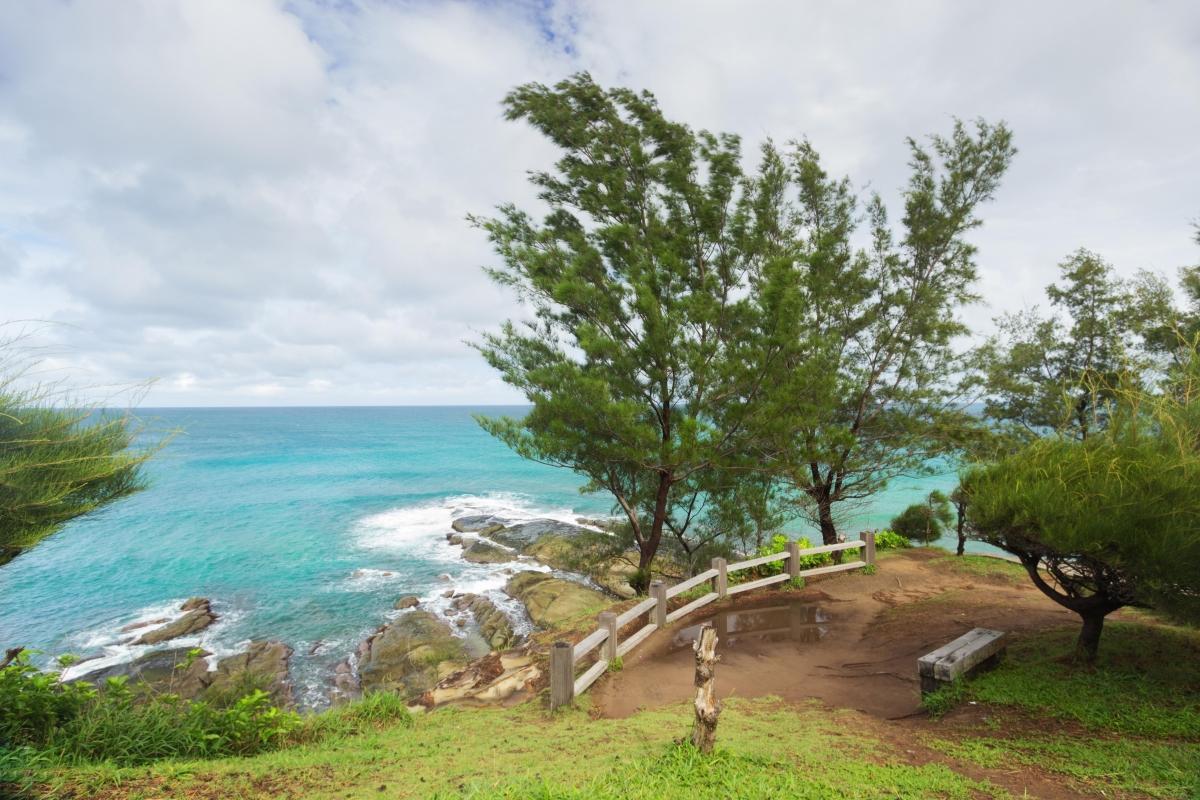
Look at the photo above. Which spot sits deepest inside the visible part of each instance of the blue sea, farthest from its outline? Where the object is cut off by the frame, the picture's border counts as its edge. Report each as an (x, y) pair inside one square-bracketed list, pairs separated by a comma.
[(302, 525)]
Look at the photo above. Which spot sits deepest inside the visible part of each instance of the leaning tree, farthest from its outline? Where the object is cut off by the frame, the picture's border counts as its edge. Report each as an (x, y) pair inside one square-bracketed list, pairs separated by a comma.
[(1108, 521)]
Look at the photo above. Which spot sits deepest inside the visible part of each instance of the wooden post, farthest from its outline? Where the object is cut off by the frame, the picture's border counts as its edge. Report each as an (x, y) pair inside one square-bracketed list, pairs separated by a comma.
[(562, 674), (721, 582), (794, 559), (658, 590), (707, 706), (869, 551), (608, 622)]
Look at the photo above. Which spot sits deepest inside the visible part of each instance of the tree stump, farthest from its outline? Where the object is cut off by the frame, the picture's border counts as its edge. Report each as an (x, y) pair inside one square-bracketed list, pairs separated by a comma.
[(704, 732)]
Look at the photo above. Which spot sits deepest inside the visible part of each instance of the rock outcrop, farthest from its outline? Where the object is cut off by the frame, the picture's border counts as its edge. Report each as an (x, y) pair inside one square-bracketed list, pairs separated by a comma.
[(481, 551), (197, 616), (524, 534), (552, 601), (184, 671), (410, 655), (496, 678), (482, 524), (408, 601), (494, 625)]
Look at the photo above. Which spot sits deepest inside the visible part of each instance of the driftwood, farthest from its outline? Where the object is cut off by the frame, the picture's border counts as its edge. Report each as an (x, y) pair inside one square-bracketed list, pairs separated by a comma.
[(707, 705)]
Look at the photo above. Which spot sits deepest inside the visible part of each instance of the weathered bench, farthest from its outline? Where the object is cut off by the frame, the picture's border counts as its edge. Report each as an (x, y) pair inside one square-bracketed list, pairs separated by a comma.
[(977, 649)]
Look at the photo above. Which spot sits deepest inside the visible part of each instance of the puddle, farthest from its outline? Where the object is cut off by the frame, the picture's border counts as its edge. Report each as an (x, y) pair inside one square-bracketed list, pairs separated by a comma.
[(795, 621)]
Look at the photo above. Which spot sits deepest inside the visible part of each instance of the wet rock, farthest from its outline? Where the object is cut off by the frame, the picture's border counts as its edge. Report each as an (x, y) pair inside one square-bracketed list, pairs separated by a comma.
[(264, 665), (552, 601), (523, 534), (482, 551), (445, 577), (133, 626), (198, 616), (448, 593), (410, 655), (494, 625), (408, 601), (483, 524), (590, 554), (180, 670), (455, 538)]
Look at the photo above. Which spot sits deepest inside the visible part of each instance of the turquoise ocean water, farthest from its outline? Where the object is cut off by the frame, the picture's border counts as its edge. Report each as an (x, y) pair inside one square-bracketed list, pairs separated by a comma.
[(301, 524)]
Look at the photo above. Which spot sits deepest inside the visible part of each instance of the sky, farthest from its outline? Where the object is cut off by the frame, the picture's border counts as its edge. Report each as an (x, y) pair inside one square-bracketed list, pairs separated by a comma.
[(251, 202)]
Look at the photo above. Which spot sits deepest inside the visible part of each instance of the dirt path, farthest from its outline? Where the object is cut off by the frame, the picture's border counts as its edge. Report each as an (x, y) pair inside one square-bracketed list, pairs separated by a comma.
[(851, 641)]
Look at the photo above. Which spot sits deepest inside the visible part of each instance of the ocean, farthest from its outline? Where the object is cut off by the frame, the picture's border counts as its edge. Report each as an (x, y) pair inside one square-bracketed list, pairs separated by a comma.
[(302, 525)]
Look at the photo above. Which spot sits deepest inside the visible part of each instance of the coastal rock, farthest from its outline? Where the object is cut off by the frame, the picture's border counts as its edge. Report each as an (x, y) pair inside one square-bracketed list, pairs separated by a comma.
[(494, 625), (184, 671), (455, 538), (410, 655), (495, 678), (180, 670), (588, 553), (481, 551), (408, 601), (524, 534), (482, 524), (133, 626), (198, 616), (552, 601), (263, 666)]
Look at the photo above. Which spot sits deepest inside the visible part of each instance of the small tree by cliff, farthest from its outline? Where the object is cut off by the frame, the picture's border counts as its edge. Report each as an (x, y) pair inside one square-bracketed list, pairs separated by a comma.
[(925, 522), (1108, 521), (56, 463)]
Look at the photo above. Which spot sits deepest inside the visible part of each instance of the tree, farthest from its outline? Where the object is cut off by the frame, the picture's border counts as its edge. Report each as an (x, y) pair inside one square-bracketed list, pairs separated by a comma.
[(646, 348), (959, 499), (57, 463), (865, 390), (1057, 373), (925, 522), (1107, 521)]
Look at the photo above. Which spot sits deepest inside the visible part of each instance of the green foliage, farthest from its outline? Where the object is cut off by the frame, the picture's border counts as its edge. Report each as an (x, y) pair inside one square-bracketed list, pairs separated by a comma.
[(643, 359), (371, 712), (616, 665), (890, 540), (77, 722), (869, 569), (57, 461), (938, 704), (779, 544), (864, 390), (925, 522)]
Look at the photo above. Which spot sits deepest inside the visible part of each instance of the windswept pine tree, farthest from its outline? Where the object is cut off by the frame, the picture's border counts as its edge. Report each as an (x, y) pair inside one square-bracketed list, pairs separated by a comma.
[(57, 462)]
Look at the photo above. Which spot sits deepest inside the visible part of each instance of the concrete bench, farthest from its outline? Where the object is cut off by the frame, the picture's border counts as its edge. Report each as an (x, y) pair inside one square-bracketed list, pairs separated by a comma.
[(977, 649)]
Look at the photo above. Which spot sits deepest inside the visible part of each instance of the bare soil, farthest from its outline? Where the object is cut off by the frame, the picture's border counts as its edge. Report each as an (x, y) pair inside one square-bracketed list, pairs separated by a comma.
[(851, 641)]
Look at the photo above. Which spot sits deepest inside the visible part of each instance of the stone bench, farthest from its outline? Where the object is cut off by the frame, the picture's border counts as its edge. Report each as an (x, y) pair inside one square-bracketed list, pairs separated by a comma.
[(975, 650)]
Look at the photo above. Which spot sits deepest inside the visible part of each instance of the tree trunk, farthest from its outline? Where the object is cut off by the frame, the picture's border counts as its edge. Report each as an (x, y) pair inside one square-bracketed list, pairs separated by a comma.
[(825, 517), (649, 547), (961, 527), (704, 732), (1089, 636)]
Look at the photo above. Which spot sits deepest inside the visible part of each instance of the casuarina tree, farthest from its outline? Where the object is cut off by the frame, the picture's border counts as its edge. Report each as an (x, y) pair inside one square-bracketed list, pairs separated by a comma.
[(867, 388), (644, 353)]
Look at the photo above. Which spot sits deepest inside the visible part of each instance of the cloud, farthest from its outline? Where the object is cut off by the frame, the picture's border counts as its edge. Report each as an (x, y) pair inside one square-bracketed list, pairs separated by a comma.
[(264, 202)]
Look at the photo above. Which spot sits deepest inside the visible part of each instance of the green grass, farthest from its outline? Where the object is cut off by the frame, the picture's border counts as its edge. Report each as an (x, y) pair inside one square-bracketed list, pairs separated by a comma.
[(766, 749), (982, 567), (1130, 723)]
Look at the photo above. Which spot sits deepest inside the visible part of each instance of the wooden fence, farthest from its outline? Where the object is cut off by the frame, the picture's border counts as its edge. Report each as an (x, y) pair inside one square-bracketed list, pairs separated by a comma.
[(566, 657)]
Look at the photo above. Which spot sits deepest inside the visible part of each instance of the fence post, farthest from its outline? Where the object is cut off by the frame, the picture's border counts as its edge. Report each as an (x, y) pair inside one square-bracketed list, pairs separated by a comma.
[(794, 558), (720, 584), (562, 673), (869, 551), (608, 622), (658, 590)]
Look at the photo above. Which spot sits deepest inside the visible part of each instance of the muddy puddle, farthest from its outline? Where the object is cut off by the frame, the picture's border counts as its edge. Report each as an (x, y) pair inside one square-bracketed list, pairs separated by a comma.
[(795, 621)]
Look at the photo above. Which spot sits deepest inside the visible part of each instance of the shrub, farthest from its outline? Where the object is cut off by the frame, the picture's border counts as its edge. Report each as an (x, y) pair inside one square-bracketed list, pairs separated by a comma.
[(890, 540), (372, 711), (925, 522), (777, 544)]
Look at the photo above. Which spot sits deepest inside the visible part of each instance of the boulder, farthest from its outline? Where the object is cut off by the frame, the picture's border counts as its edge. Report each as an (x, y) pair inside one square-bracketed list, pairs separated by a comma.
[(585, 553), (408, 601), (482, 551), (483, 524), (198, 616), (496, 678), (455, 538), (133, 626), (552, 601), (410, 655)]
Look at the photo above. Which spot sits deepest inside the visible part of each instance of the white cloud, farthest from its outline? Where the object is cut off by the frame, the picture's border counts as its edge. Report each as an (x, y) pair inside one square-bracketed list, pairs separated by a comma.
[(264, 202)]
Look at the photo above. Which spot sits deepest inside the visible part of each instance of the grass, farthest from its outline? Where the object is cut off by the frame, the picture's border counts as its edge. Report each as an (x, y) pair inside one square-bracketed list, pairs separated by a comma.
[(766, 749), (982, 567), (1130, 723)]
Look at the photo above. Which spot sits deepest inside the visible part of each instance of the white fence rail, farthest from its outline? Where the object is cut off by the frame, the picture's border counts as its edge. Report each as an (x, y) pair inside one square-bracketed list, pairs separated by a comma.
[(565, 657)]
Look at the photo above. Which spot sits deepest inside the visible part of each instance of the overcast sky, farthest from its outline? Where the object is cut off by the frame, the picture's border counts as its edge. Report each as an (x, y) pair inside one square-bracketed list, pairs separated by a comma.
[(262, 203)]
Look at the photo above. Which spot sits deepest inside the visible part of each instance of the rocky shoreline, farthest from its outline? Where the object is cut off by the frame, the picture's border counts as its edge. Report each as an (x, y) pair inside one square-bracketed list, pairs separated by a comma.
[(474, 653)]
